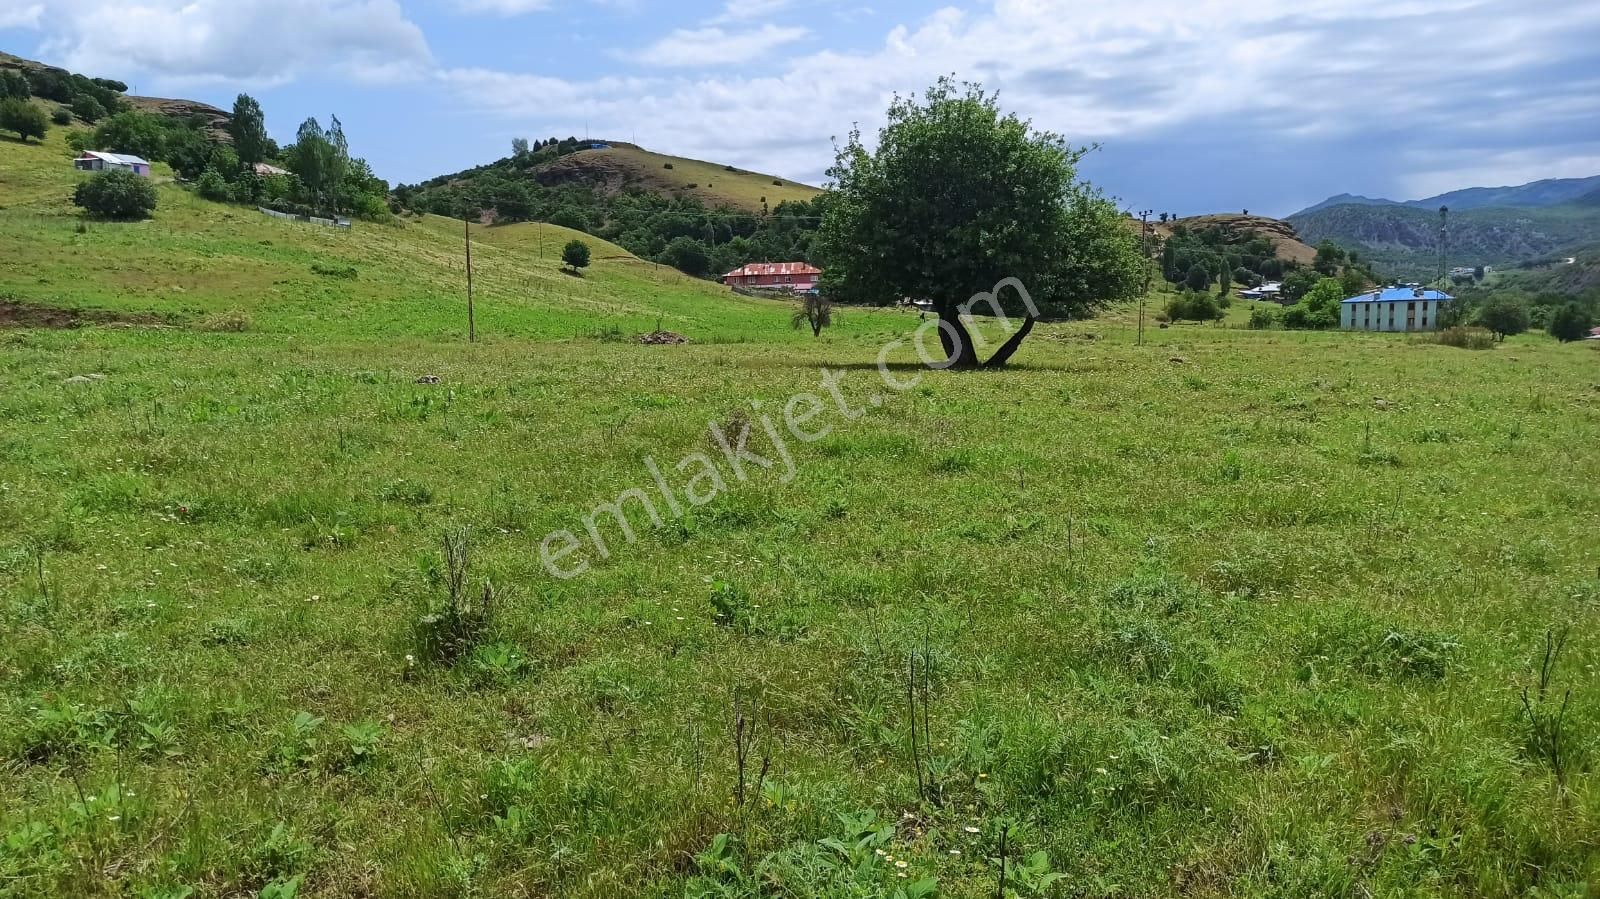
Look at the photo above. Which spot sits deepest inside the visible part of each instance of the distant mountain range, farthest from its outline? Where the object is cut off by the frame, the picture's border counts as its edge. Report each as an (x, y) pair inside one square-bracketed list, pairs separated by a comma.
[(1496, 226), (1551, 192)]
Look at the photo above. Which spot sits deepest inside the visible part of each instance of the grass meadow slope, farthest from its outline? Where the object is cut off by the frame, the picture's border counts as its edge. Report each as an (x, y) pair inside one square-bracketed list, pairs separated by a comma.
[(1231, 613)]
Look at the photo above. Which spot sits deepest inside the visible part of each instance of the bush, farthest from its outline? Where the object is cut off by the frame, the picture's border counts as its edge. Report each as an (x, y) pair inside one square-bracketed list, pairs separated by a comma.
[(1570, 323), (88, 108), (1263, 318), (24, 118), (1465, 338), (576, 255), (61, 116), (213, 187), (116, 195)]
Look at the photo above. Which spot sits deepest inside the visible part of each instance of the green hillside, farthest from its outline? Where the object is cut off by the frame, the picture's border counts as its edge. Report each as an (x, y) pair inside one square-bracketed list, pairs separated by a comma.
[(623, 166), (197, 258), (1403, 242)]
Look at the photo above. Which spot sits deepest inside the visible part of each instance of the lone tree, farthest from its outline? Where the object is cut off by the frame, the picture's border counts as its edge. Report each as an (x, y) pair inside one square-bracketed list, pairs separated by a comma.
[(1570, 323), (958, 197), (248, 127), (816, 311), (24, 118), (1504, 317), (575, 255)]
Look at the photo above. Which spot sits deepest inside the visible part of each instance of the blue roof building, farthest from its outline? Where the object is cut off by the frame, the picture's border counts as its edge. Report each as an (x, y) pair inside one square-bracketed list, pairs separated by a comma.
[(1407, 308)]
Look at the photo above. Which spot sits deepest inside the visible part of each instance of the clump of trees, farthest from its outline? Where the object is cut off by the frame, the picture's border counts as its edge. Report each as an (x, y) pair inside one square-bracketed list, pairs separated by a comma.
[(1571, 322), (1198, 306), (1200, 257), (1318, 309), (956, 198), (26, 119), (116, 195)]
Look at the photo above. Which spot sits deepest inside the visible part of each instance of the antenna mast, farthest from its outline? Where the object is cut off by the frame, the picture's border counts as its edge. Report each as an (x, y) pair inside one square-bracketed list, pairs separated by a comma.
[(1444, 241)]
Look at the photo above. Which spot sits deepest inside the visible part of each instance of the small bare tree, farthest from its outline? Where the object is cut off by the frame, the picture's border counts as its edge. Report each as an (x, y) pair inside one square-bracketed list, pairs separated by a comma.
[(815, 310)]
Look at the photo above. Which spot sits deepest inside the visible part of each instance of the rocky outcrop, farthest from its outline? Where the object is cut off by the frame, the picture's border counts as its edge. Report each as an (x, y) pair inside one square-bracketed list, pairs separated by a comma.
[(216, 119)]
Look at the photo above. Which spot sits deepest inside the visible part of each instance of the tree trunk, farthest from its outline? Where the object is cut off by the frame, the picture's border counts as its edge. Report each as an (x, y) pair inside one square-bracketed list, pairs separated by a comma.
[(957, 341), (1007, 350)]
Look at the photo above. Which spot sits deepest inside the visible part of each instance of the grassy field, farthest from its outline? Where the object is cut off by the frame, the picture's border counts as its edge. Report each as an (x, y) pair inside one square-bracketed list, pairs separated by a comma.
[(1232, 613)]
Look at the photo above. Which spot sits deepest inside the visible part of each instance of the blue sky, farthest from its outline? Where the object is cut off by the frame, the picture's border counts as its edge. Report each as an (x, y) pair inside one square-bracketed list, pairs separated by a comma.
[(1198, 105)]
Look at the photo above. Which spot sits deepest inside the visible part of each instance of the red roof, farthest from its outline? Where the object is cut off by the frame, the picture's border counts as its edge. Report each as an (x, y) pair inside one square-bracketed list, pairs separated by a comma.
[(764, 269)]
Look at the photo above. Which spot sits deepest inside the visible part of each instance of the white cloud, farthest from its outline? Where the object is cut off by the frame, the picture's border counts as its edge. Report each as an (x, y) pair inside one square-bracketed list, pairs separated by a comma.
[(746, 10), (238, 41), (26, 16), (713, 46), (503, 7), (1315, 74)]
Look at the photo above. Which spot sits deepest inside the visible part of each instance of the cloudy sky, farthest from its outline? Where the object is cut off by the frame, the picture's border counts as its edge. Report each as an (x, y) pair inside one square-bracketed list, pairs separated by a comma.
[(1198, 105)]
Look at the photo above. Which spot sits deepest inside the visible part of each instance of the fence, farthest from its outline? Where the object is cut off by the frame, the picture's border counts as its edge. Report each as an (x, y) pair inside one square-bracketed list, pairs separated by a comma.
[(288, 217)]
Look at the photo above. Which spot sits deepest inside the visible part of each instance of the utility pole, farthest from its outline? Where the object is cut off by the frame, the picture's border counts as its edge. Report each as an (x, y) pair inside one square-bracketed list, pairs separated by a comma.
[(472, 319), (1444, 241), (1144, 230)]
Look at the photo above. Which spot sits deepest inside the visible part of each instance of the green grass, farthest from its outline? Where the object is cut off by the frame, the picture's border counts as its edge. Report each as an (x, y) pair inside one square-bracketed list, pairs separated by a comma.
[(1204, 617)]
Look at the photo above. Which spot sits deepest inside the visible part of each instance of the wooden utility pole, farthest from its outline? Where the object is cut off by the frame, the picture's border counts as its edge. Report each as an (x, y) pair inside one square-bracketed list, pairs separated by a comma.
[(1144, 237), (472, 319)]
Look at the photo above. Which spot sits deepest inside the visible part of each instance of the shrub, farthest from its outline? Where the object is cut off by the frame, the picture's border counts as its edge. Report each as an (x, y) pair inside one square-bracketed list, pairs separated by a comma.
[(1263, 318), (212, 186), (116, 195), (61, 116), (1465, 338), (576, 255), (345, 272), (86, 107), (24, 118), (667, 165), (1570, 323)]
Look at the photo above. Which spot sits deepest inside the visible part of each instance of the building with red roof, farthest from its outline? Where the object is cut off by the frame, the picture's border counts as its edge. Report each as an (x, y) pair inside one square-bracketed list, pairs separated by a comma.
[(796, 276)]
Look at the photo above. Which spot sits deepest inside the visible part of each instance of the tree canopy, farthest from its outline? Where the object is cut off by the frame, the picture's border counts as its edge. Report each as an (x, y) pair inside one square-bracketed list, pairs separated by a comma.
[(1570, 322), (1504, 316), (24, 118), (249, 130), (575, 254), (116, 195), (959, 196)]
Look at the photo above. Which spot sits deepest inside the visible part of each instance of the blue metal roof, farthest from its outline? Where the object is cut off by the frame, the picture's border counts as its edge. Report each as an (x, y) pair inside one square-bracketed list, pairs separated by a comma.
[(1401, 295)]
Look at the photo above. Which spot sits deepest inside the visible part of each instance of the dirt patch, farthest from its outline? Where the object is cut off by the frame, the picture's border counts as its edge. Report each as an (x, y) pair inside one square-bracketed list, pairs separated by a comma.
[(14, 314), (662, 338)]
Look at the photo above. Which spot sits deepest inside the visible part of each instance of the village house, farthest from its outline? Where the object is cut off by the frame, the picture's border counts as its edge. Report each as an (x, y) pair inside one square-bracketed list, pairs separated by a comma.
[(1403, 308), (94, 161), (795, 276)]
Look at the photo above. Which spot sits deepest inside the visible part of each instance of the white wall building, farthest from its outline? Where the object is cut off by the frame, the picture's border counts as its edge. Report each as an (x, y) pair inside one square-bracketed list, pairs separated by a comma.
[(1408, 308)]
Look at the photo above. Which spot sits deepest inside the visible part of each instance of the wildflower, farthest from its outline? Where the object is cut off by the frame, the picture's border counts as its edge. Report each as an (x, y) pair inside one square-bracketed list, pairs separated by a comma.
[(1101, 771), (955, 852), (902, 864), (879, 851), (970, 829)]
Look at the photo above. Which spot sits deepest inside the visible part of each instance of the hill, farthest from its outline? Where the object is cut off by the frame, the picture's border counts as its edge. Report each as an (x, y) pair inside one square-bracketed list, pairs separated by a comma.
[(1549, 192), (1286, 242), (196, 259), (1403, 241), (623, 166), (216, 119)]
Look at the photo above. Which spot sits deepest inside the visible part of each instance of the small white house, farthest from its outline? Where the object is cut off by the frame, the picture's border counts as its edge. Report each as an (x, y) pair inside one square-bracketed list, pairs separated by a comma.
[(95, 161), (1408, 308)]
